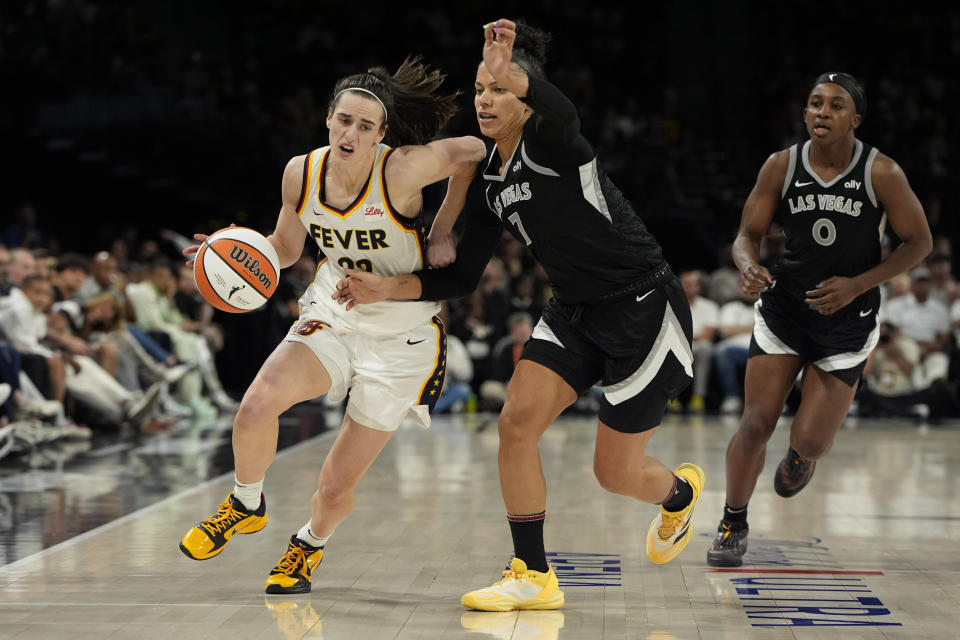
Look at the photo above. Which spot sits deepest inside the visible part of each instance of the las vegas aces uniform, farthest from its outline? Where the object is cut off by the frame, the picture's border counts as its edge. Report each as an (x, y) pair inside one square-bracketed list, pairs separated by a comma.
[(391, 355), (618, 316), (833, 229)]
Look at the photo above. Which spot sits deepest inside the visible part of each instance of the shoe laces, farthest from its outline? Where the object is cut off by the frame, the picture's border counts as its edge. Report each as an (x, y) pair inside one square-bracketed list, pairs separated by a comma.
[(291, 560), (226, 517), (510, 574), (669, 524)]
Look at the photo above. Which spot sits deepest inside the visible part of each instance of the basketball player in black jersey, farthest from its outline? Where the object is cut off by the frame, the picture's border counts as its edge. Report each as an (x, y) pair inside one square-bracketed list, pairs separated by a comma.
[(619, 317), (817, 314)]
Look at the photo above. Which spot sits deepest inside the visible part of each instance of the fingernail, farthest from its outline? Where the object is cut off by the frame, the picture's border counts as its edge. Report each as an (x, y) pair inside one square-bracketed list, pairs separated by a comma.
[(497, 23), (486, 26)]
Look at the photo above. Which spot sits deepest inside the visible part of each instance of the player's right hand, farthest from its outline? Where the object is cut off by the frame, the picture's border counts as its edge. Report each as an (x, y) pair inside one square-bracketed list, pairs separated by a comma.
[(192, 249), (755, 279)]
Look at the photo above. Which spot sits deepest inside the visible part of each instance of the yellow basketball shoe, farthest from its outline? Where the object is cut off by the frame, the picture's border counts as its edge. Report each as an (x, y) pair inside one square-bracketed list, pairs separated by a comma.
[(670, 531), (209, 537), (292, 574), (520, 588)]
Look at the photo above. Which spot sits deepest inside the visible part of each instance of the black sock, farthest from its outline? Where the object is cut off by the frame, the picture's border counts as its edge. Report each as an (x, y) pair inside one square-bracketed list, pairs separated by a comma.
[(527, 532), (735, 516), (679, 497)]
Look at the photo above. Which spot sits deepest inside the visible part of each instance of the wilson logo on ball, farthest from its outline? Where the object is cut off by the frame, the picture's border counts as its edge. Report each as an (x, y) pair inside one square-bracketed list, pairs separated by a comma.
[(235, 269), (250, 264)]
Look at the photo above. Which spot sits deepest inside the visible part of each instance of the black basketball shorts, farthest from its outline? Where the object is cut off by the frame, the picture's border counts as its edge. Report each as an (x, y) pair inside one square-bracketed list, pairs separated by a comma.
[(635, 348), (838, 344)]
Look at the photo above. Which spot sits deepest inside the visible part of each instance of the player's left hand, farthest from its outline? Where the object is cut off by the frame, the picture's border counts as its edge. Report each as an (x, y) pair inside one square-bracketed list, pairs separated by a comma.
[(498, 39), (832, 294), (360, 287), (441, 250)]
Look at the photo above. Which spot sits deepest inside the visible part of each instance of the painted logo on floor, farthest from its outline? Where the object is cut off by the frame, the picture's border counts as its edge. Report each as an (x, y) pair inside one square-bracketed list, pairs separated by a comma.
[(794, 583), (586, 569)]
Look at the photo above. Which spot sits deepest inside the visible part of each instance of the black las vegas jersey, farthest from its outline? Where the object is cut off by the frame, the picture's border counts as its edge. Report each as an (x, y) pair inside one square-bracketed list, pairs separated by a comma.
[(554, 198), (832, 228)]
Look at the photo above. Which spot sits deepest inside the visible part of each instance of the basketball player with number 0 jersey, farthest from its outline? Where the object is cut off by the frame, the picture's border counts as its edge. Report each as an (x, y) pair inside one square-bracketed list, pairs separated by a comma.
[(360, 200), (834, 196)]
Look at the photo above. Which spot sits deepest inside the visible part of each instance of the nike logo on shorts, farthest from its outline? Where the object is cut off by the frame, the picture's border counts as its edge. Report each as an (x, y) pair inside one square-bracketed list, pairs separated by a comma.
[(639, 298), (864, 314), (797, 183), (416, 341)]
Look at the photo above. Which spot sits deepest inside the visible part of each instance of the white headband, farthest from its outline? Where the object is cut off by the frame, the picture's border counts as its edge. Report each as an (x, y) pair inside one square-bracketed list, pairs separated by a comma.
[(337, 97)]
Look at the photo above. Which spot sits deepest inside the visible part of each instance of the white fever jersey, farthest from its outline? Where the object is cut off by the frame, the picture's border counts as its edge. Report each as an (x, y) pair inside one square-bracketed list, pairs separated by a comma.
[(832, 228), (368, 235)]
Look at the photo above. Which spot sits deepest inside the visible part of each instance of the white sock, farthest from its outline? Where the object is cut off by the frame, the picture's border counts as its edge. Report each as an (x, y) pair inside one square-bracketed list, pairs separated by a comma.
[(307, 536), (248, 494)]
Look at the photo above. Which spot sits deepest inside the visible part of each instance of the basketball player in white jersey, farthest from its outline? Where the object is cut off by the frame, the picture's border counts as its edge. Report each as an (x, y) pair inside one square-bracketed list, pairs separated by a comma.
[(360, 200)]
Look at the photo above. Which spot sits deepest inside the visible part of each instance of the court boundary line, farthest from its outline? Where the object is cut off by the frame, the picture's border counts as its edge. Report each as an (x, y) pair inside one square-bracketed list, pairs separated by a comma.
[(142, 511)]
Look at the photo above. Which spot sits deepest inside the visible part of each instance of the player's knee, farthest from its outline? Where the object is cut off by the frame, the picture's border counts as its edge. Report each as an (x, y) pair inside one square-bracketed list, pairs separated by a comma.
[(255, 409), (515, 427), (333, 490), (756, 427), (612, 477)]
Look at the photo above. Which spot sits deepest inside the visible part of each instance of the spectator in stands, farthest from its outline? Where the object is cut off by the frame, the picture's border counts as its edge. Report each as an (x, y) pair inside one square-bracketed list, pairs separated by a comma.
[(891, 386), (153, 305), (196, 313), (504, 358), (5, 261), (70, 273), (705, 319), (85, 380), (942, 285), (730, 354), (926, 320)]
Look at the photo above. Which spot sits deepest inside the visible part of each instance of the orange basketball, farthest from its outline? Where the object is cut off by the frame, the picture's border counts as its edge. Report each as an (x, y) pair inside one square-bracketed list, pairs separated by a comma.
[(236, 269)]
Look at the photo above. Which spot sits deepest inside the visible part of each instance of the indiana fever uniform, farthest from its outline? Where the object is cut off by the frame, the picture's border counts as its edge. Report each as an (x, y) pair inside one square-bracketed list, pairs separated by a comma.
[(833, 229), (618, 316), (391, 355)]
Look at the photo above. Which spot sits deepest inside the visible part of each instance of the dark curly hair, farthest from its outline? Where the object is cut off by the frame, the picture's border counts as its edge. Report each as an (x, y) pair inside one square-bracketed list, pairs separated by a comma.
[(415, 110), (530, 49)]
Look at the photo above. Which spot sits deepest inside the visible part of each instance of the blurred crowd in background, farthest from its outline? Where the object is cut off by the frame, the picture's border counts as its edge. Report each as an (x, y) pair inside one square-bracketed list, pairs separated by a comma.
[(126, 127)]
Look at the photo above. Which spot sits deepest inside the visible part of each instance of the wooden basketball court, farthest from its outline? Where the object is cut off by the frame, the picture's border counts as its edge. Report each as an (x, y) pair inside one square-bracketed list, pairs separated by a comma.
[(868, 550)]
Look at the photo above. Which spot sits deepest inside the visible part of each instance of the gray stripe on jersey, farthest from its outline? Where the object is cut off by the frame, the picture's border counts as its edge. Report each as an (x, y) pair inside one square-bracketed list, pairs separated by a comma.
[(590, 184), (791, 167), (533, 165), (868, 179), (670, 338)]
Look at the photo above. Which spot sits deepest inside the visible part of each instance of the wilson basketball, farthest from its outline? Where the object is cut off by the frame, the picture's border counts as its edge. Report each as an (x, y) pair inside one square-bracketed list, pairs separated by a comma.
[(236, 269)]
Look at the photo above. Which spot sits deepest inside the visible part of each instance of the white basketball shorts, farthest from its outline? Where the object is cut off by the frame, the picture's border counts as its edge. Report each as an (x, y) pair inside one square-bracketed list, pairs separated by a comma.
[(389, 376)]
